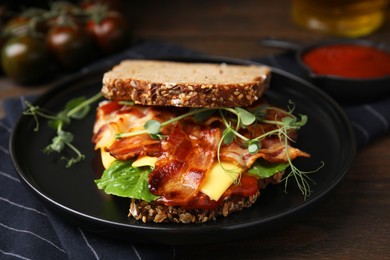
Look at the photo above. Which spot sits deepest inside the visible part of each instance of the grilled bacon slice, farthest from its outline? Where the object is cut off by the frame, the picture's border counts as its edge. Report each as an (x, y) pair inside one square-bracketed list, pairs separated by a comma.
[(275, 153), (185, 160), (130, 147)]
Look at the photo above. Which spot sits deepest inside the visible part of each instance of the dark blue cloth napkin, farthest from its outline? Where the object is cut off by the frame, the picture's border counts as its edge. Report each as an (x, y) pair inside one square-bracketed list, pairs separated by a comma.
[(29, 231)]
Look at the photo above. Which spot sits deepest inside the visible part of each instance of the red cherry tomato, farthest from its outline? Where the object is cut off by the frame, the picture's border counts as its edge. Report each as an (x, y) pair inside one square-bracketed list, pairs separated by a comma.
[(71, 46), (110, 32)]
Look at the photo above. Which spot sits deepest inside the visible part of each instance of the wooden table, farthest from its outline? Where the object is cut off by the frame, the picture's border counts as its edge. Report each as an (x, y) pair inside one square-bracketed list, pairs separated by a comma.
[(354, 221)]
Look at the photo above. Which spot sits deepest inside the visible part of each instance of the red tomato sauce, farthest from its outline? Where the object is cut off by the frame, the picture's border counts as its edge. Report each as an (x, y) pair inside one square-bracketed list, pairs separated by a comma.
[(347, 60)]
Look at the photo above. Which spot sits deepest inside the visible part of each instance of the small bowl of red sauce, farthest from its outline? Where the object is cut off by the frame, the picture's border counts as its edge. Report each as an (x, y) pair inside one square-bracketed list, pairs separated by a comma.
[(350, 71)]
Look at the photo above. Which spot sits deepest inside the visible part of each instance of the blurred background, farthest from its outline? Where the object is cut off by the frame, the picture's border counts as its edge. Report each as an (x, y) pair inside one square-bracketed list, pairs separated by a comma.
[(194, 24)]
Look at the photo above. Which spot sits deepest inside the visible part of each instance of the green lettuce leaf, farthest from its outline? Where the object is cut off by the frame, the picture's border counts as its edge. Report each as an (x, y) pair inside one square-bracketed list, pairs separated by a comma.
[(123, 180), (264, 169)]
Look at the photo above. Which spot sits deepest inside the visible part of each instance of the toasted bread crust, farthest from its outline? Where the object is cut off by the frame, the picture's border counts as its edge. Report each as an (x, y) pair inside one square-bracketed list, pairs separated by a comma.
[(186, 85)]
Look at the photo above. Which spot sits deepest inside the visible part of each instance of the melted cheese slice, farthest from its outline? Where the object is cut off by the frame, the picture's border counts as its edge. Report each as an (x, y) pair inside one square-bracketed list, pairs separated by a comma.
[(144, 161), (106, 141), (219, 179), (107, 159)]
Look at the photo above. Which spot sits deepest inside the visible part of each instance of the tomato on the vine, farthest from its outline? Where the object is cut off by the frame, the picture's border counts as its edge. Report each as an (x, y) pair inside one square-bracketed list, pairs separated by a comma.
[(29, 22), (71, 46), (66, 36), (25, 59), (110, 31)]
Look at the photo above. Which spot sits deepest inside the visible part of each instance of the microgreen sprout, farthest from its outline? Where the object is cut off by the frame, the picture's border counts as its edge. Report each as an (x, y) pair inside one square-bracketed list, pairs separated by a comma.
[(76, 108), (234, 172), (301, 177)]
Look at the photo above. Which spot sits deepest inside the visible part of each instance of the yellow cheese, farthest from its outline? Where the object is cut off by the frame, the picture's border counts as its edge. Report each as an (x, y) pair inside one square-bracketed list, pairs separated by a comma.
[(107, 159), (145, 161), (219, 179)]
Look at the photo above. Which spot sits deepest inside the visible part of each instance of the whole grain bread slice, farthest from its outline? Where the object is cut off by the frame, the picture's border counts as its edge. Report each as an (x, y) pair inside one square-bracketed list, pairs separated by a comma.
[(167, 83)]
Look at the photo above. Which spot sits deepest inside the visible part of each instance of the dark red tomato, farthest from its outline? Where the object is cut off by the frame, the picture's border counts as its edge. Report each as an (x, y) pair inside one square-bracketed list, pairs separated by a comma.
[(25, 59), (110, 32), (71, 46)]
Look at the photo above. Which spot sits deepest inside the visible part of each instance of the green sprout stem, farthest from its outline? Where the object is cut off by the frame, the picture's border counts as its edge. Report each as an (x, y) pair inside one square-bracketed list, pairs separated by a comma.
[(233, 174), (85, 103), (59, 120), (227, 125), (79, 155)]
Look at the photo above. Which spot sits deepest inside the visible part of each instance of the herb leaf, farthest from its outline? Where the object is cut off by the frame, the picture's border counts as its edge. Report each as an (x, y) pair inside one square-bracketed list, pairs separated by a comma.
[(253, 147), (247, 118), (264, 169), (260, 111), (59, 141), (122, 180), (152, 126)]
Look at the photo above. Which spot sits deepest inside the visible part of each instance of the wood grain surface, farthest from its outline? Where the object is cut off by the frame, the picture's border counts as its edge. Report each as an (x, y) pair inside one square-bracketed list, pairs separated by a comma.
[(354, 221)]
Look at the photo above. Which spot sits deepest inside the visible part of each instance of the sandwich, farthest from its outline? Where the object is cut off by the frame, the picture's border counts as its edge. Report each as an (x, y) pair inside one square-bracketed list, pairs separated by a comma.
[(190, 142)]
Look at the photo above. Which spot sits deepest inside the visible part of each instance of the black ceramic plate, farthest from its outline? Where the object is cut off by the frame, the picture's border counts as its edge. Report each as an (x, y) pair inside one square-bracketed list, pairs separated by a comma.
[(72, 193)]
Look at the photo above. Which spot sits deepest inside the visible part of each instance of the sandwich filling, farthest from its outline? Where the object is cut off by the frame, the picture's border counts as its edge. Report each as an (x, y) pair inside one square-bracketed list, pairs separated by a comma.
[(192, 158)]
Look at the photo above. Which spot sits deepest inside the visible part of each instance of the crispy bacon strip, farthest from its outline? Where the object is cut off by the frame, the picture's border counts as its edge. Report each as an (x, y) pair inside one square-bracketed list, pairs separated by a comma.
[(130, 147), (182, 167), (113, 118), (275, 153)]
